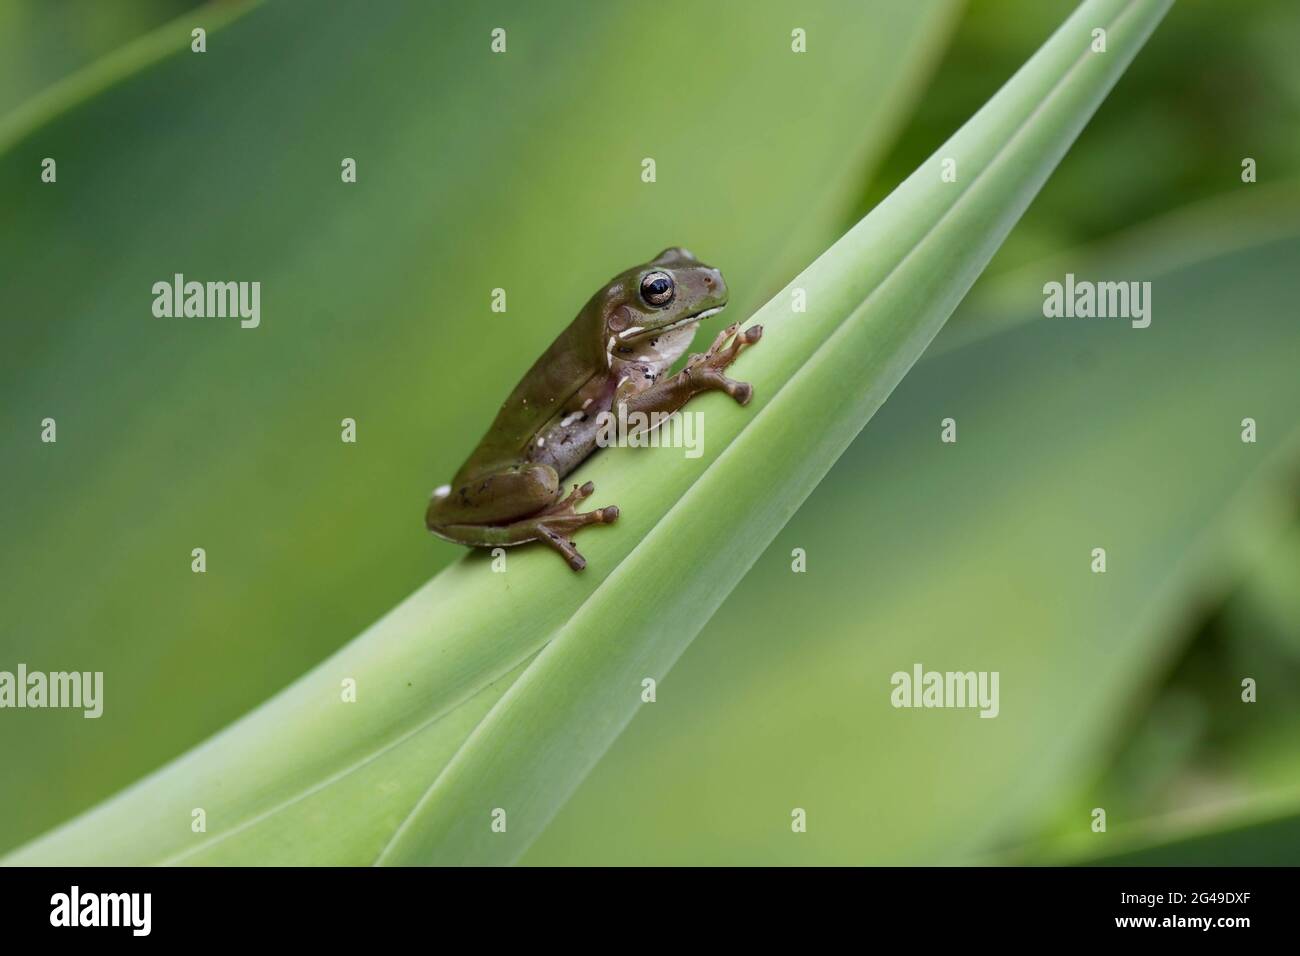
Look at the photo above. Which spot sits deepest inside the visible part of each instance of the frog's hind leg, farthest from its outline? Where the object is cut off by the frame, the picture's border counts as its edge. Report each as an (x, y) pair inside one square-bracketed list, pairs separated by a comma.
[(553, 525), (495, 496), (556, 525)]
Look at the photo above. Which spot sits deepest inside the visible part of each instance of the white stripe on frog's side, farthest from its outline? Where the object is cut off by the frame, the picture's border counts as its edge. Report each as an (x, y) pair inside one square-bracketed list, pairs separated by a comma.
[(687, 320)]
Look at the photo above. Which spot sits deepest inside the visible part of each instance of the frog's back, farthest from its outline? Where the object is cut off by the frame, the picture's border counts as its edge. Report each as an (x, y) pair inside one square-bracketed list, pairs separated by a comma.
[(542, 395)]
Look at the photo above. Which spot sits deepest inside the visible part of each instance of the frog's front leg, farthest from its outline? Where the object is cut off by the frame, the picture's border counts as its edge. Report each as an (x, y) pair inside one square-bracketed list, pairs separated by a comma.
[(703, 373), (512, 506)]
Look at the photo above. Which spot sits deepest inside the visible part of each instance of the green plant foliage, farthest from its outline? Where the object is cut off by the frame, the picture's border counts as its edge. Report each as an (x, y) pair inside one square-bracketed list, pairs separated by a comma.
[(783, 701), (491, 690), (475, 171)]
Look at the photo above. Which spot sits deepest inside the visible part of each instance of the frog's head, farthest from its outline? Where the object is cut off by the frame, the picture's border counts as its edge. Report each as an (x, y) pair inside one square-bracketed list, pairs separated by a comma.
[(661, 302)]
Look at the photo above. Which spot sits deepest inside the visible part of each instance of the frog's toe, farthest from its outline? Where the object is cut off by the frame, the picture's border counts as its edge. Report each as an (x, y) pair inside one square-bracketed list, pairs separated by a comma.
[(710, 378), (742, 392), (567, 521), (740, 342), (565, 505), (564, 546), (557, 526), (721, 339)]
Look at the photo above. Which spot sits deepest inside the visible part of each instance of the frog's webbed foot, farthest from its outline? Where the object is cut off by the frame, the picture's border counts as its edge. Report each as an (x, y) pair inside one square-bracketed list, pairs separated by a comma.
[(556, 524), (705, 371)]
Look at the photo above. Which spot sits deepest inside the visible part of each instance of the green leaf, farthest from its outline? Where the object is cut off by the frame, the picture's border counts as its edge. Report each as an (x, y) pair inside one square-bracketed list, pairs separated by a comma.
[(475, 171), (1263, 836), (54, 56), (484, 690), (919, 551)]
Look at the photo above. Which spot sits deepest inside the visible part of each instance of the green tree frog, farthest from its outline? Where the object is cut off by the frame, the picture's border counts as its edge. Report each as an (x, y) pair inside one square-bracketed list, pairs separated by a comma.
[(616, 352)]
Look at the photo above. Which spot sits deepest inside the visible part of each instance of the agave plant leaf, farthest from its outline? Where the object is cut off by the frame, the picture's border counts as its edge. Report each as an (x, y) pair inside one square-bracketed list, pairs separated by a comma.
[(921, 551), (1267, 835), (475, 171), (52, 55), (489, 696)]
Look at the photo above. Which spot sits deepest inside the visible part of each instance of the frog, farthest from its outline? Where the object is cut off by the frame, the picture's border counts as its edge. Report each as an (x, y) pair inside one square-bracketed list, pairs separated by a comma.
[(615, 354)]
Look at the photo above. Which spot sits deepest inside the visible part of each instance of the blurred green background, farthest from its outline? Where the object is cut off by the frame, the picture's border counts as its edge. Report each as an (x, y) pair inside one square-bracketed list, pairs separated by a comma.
[(521, 171)]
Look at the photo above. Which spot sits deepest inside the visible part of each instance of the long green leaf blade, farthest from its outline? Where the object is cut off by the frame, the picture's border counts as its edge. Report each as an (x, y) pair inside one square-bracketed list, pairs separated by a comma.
[(517, 729), (367, 280), (876, 298), (923, 551)]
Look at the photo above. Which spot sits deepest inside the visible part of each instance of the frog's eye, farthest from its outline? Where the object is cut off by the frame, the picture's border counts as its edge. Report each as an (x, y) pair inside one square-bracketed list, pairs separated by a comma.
[(657, 288)]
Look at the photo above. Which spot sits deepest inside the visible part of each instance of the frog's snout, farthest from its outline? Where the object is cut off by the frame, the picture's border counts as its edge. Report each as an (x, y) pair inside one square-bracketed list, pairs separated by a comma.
[(715, 287)]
